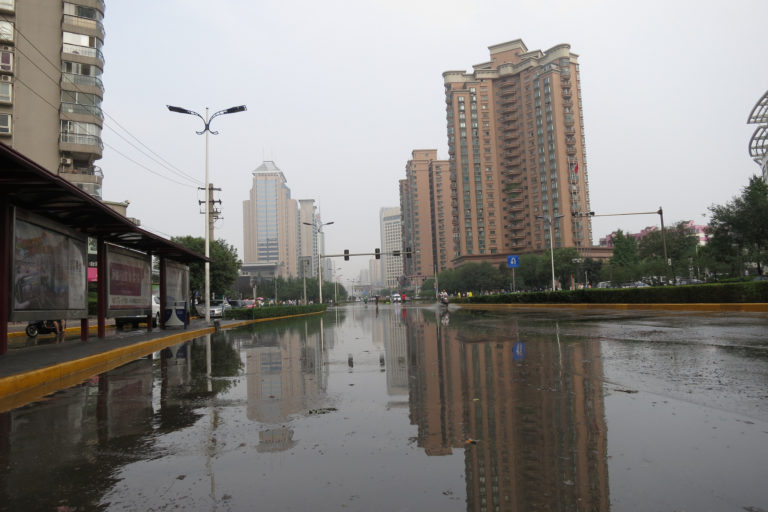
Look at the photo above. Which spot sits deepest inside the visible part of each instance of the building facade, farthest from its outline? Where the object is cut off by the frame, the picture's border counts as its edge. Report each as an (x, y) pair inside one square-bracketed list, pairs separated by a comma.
[(270, 222), (758, 144), (50, 86), (425, 202), (517, 154), (390, 223)]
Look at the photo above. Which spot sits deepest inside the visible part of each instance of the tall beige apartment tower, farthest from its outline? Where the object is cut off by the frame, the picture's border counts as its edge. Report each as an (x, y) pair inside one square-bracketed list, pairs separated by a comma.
[(517, 154), (425, 202), (50, 85)]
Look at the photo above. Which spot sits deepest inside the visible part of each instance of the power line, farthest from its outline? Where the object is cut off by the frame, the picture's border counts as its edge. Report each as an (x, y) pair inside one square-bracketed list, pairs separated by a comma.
[(162, 162)]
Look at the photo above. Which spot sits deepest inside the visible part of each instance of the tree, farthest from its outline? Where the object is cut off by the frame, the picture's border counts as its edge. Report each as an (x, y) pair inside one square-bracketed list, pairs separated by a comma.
[(740, 228), (224, 265), (681, 244)]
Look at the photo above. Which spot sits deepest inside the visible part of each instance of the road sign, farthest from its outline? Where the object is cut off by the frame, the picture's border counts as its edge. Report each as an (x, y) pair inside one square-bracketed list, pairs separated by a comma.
[(513, 261)]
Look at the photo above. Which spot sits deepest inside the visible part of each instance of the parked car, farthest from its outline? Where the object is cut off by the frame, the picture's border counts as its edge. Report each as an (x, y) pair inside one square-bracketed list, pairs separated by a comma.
[(139, 319), (218, 306), (238, 303)]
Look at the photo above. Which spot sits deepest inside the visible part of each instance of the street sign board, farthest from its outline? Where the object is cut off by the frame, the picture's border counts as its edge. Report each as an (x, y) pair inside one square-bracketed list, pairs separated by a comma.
[(513, 261)]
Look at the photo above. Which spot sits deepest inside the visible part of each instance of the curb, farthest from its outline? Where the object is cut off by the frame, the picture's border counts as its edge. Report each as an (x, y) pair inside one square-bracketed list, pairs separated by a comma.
[(744, 307), (23, 388)]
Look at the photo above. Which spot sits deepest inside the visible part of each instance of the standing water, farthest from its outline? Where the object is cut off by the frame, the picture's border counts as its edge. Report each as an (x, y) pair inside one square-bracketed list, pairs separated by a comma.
[(410, 408)]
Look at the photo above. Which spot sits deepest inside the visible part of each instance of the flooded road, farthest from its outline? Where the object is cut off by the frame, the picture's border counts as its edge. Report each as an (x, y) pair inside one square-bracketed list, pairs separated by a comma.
[(413, 409)]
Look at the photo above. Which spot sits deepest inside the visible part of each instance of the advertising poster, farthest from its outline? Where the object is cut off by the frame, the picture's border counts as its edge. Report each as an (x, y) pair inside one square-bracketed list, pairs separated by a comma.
[(176, 282), (129, 281), (49, 270)]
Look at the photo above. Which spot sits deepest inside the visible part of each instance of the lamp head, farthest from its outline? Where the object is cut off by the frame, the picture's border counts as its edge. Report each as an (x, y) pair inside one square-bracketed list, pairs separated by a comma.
[(180, 110), (232, 110)]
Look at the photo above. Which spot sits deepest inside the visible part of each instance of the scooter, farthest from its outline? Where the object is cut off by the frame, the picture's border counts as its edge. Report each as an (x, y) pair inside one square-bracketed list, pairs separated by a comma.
[(36, 327)]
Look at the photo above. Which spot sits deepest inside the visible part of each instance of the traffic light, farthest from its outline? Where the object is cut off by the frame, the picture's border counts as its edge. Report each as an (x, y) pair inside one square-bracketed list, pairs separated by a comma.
[(377, 253), (346, 254), (407, 252)]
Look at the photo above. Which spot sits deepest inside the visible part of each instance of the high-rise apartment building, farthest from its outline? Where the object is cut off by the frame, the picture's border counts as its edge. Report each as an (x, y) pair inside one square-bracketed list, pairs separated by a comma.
[(270, 224), (425, 202), (390, 223), (50, 85), (517, 154)]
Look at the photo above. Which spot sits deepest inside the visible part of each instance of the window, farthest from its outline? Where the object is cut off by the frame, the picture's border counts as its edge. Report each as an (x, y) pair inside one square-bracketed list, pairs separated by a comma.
[(7, 5), (6, 92), (6, 31), (5, 124), (6, 61)]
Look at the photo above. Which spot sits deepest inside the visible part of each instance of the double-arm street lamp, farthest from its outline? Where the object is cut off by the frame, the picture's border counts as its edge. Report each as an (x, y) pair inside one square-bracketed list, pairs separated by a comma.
[(549, 220), (206, 130), (319, 229)]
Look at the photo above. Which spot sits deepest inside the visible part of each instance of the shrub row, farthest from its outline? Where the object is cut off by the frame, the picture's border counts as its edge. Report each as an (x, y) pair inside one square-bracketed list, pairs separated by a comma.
[(706, 293), (271, 311)]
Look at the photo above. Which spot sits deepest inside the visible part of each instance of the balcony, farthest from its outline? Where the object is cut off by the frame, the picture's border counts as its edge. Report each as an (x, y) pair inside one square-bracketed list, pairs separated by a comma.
[(83, 81), (82, 110), (570, 150), (566, 93), (84, 25), (78, 143), (88, 53)]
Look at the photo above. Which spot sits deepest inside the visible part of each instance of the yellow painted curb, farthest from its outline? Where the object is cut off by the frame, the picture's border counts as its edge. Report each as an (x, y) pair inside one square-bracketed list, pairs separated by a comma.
[(23, 388), (745, 307)]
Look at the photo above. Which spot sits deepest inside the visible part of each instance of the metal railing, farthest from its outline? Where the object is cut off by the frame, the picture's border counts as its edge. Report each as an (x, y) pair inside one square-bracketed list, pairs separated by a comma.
[(77, 138), (84, 22), (76, 108), (85, 51), (86, 80), (93, 170)]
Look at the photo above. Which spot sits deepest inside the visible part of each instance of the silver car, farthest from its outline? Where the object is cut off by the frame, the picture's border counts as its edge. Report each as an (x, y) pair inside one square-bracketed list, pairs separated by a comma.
[(218, 306)]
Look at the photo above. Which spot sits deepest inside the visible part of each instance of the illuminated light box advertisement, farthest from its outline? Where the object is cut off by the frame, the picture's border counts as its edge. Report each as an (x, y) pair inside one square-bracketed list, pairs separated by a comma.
[(129, 282), (176, 282), (48, 270)]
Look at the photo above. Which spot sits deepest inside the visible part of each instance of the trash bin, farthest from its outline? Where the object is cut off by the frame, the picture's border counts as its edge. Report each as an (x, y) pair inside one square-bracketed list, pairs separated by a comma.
[(176, 315)]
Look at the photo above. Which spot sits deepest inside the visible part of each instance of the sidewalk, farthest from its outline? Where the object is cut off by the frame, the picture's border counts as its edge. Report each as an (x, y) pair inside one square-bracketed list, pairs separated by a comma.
[(32, 369)]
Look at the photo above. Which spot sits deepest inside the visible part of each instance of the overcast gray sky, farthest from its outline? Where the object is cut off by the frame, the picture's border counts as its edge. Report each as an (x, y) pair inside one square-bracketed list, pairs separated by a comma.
[(340, 92)]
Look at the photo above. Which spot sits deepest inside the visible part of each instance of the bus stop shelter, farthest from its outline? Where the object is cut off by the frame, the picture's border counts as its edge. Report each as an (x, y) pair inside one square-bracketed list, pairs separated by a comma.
[(26, 186)]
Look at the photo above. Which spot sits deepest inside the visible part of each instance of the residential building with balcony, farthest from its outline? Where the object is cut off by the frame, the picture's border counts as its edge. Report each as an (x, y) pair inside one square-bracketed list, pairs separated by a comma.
[(426, 205), (517, 154), (50, 85)]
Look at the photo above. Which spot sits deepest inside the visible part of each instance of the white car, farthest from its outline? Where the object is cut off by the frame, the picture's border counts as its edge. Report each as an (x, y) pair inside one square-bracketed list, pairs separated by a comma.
[(138, 319), (395, 298)]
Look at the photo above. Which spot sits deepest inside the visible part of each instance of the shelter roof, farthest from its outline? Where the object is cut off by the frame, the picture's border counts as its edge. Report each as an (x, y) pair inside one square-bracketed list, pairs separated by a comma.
[(30, 186)]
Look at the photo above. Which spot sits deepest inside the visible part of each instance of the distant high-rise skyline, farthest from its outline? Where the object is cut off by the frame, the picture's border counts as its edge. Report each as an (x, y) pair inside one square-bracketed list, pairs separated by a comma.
[(391, 240)]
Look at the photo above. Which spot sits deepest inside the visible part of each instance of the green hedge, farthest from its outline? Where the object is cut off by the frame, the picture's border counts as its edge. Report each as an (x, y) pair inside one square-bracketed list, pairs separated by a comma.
[(756, 291), (271, 311)]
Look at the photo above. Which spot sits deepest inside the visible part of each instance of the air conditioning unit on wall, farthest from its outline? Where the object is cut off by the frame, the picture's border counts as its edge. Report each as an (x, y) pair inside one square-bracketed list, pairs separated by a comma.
[(66, 161)]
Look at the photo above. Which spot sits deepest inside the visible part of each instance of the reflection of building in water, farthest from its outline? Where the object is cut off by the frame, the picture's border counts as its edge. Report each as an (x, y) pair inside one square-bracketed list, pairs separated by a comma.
[(536, 415), (435, 395), (389, 331), (285, 376)]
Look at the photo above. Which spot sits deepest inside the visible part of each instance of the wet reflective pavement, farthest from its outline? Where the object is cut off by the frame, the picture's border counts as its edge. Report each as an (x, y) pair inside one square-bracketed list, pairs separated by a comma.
[(413, 408)]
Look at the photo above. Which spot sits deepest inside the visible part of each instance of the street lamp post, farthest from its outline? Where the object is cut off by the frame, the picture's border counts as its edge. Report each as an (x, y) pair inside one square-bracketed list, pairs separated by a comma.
[(319, 229), (549, 220), (206, 130)]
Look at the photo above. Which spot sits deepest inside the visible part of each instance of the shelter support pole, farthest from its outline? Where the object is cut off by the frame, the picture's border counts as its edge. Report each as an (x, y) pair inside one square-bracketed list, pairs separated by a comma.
[(163, 295), (6, 231), (84, 329), (101, 288)]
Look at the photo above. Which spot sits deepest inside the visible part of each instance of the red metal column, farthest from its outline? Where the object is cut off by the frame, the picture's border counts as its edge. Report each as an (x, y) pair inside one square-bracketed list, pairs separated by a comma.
[(5, 271), (101, 288)]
